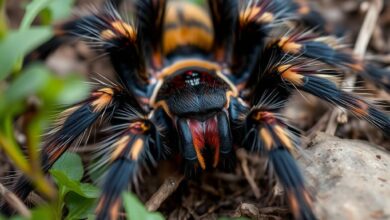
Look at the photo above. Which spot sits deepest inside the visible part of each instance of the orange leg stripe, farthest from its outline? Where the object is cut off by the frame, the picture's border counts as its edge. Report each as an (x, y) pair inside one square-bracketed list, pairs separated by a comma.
[(290, 75), (281, 133), (266, 136), (124, 29), (114, 210), (361, 109), (289, 46), (137, 149), (120, 146), (293, 204), (57, 153)]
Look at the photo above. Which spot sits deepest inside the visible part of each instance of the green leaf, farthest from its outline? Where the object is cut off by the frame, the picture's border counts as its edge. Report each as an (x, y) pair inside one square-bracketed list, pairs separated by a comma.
[(13, 152), (42, 212), (89, 190), (60, 9), (73, 91), (56, 10), (27, 83), (70, 164), (84, 189), (45, 212), (67, 173), (17, 44), (199, 2), (79, 207), (32, 10), (135, 210), (3, 20), (63, 181), (30, 82)]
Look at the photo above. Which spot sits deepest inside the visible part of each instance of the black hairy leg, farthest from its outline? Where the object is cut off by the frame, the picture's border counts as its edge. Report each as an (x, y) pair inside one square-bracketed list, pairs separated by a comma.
[(135, 146), (263, 131), (287, 72), (73, 128), (330, 52), (106, 32)]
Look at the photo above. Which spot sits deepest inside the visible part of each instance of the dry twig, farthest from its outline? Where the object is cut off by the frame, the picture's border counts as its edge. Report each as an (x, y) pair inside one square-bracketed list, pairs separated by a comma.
[(241, 155), (319, 126), (166, 189), (365, 34), (14, 201), (252, 211)]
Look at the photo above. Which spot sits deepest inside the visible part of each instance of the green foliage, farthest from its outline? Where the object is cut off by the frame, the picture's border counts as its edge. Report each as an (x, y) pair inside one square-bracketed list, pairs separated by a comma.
[(79, 198), (14, 45), (57, 9), (18, 43), (66, 184), (43, 212), (136, 210), (199, 2), (3, 22), (79, 207), (35, 81), (71, 165), (32, 94), (32, 10)]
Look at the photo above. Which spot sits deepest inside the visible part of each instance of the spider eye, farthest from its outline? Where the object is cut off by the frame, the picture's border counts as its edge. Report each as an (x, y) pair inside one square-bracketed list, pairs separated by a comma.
[(192, 78), (191, 74)]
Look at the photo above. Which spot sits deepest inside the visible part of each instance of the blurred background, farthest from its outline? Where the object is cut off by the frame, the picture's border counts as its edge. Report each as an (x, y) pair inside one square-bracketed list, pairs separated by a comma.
[(31, 94)]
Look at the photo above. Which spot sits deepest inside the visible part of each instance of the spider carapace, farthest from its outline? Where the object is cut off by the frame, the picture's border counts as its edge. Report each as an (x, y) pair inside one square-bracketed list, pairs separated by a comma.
[(199, 82), (196, 97)]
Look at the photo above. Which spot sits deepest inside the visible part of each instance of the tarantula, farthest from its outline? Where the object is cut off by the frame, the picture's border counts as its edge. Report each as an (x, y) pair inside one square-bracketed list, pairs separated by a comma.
[(200, 83)]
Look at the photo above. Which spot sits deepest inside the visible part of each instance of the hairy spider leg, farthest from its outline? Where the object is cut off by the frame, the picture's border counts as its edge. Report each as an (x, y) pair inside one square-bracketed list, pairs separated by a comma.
[(72, 128)]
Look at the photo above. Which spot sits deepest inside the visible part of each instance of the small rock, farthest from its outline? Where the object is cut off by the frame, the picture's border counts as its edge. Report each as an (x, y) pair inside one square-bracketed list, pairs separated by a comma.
[(249, 210), (350, 179)]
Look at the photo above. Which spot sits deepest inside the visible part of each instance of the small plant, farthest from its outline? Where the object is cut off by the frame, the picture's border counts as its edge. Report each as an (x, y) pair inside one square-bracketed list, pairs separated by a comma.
[(33, 94)]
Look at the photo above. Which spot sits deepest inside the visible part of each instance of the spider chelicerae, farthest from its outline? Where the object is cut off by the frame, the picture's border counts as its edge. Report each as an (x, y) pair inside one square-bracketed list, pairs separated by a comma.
[(199, 83)]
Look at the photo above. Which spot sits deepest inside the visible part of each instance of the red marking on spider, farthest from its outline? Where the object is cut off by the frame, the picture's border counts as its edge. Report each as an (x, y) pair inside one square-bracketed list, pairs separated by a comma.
[(205, 133), (138, 127), (212, 138), (267, 117), (196, 129)]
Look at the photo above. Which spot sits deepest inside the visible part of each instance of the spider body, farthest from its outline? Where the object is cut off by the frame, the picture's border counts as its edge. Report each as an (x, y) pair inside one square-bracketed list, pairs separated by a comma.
[(216, 80), (195, 95)]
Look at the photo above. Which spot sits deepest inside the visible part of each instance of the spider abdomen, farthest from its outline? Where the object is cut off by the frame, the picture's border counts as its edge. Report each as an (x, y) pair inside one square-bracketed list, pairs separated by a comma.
[(187, 26)]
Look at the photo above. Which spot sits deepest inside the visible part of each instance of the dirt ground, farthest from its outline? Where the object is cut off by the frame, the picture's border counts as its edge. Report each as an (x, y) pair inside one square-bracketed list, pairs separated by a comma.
[(218, 194)]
